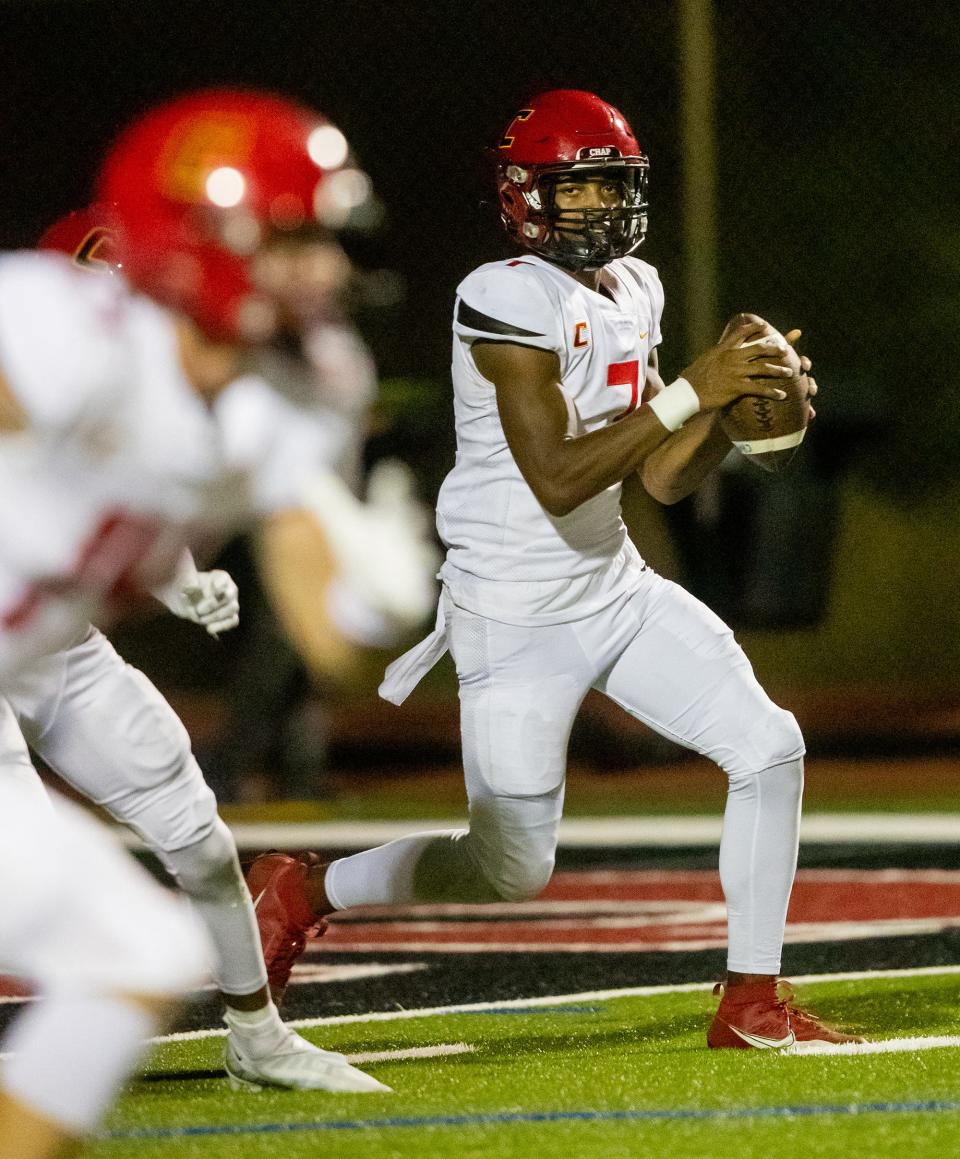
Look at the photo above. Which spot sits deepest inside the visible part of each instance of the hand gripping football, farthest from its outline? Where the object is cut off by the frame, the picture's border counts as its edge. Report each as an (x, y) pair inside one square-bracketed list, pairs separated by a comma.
[(768, 431)]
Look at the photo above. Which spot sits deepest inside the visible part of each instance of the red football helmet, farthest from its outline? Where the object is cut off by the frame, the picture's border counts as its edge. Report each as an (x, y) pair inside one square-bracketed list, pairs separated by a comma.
[(570, 134), (200, 183), (88, 236)]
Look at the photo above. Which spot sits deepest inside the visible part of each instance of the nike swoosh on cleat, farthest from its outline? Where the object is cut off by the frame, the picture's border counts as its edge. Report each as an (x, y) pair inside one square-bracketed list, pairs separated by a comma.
[(760, 1043)]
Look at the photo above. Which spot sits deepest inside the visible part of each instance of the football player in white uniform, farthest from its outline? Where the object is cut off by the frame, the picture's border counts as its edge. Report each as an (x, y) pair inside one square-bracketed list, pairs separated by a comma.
[(123, 445), (106, 948), (557, 400)]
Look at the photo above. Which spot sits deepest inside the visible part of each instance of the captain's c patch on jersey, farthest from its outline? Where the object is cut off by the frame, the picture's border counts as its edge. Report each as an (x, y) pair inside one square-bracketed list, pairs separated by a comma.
[(581, 335)]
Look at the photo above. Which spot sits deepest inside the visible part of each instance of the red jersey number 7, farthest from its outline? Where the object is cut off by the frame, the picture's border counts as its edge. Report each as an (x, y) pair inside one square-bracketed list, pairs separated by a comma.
[(626, 374)]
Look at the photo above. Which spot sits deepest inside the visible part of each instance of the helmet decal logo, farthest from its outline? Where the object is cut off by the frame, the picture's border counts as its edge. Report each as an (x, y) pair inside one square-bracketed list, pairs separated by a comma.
[(206, 144), (86, 252), (507, 139)]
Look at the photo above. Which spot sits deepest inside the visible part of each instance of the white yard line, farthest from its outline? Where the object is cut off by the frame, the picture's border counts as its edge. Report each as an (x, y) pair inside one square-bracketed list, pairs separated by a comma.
[(546, 1001), (400, 947), (884, 1046), (412, 1052), (305, 972), (441, 1050)]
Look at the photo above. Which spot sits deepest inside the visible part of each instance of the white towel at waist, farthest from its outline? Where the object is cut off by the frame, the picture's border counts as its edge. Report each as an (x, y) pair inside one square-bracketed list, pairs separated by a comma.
[(406, 672)]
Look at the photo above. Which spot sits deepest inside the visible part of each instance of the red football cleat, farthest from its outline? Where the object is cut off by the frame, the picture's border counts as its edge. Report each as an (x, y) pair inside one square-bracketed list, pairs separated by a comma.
[(751, 1016), (759, 1016), (284, 915), (807, 1027)]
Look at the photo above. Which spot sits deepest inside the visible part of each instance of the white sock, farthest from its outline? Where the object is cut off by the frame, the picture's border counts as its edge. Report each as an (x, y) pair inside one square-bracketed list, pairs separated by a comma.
[(71, 1054), (424, 867), (758, 860), (210, 875), (261, 1032)]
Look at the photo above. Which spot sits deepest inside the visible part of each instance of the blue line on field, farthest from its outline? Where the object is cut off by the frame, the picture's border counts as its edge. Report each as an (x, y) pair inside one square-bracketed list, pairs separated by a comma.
[(480, 1120)]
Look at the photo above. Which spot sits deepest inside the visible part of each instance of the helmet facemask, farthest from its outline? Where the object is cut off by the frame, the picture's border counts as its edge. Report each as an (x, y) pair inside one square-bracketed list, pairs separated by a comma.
[(582, 238)]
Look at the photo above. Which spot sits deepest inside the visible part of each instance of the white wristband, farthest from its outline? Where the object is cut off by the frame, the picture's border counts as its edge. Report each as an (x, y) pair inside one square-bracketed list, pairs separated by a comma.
[(675, 404)]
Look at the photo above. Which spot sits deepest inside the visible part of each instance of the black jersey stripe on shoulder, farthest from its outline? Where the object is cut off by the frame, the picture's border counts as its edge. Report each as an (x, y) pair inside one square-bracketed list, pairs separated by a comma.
[(467, 316)]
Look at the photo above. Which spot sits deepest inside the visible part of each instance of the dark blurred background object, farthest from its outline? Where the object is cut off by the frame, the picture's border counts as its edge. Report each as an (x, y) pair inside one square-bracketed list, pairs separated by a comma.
[(835, 171)]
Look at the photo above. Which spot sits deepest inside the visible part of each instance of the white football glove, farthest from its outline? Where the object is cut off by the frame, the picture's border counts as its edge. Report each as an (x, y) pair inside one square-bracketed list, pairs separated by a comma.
[(384, 548), (213, 602), (208, 598)]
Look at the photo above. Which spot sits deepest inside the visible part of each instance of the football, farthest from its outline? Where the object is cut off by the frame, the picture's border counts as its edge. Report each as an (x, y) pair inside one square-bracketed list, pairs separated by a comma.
[(768, 431)]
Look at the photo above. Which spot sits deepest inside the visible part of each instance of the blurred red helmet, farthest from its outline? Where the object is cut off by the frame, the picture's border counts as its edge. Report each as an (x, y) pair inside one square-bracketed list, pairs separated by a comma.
[(201, 182), (566, 133), (87, 236)]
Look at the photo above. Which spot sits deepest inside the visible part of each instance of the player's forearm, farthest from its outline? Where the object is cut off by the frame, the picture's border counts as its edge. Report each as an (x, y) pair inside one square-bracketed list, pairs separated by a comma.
[(685, 459), (297, 569), (13, 418), (578, 469), (184, 576)]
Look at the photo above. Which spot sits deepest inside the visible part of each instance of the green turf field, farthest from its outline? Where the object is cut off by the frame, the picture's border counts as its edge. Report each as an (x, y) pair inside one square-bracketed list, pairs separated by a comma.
[(587, 1076)]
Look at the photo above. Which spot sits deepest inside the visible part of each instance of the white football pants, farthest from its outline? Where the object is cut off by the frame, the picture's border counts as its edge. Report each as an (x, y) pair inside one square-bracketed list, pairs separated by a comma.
[(79, 915), (667, 660), (89, 928), (105, 729)]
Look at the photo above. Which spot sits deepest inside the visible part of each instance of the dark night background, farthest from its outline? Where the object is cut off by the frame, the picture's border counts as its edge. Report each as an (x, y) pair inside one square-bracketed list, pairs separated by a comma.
[(838, 211)]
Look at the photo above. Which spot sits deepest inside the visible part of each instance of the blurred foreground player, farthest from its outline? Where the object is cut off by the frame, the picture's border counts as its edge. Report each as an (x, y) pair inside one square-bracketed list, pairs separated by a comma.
[(291, 450), (557, 400), (118, 455), (274, 739), (108, 950)]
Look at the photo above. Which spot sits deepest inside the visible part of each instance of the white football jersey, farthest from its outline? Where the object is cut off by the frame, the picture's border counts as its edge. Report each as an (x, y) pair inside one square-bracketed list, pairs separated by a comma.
[(507, 558), (308, 412), (347, 384), (274, 443), (100, 494), (123, 463)]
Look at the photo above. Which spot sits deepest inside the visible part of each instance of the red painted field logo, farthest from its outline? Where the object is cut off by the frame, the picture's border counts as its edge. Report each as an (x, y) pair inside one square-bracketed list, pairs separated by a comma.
[(635, 911)]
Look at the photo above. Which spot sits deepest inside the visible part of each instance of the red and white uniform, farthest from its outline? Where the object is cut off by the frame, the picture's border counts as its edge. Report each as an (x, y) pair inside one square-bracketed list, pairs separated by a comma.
[(84, 917), (506, 556), (122, 466), (123, 463), (537, 610), (81, 524), (120, 462)]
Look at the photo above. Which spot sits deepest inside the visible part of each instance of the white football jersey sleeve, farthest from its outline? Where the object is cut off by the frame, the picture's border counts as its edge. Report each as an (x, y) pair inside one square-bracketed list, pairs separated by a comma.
[(59, 348), (508, 302)]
